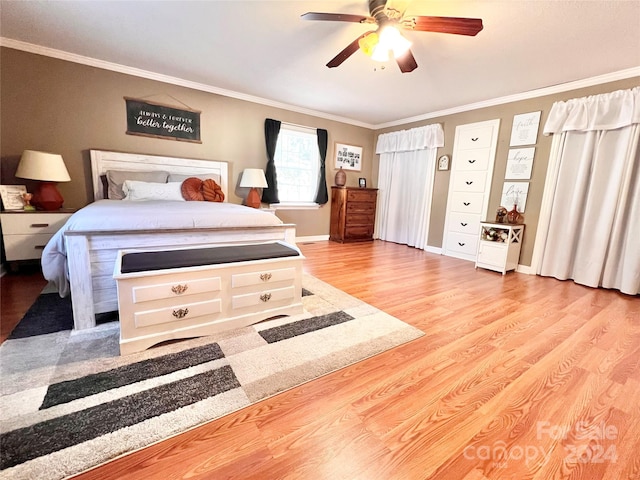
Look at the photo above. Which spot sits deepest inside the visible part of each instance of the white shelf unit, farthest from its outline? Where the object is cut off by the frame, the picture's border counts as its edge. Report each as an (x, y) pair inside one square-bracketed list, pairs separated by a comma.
[(499, 246)]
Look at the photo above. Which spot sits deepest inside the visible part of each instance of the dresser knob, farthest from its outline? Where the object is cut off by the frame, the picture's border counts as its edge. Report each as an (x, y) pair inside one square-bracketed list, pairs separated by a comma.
[(468, 183), (471, 161), (181, 312), (179, 289), (464, 224), (265, 297), (475, 139), (461, 244), (265, 277), (466, 204)]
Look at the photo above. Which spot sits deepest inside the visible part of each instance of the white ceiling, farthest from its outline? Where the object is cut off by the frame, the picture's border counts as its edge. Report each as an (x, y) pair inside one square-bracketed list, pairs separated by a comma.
[(262, 50)]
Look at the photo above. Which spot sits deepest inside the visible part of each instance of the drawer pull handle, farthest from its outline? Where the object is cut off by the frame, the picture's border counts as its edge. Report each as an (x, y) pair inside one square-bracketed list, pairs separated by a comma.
[(468, 183), (39, 225), (179, 289), (181, 312), (462, 244), (464, 224), (265, 297), (474, 139), (265, 277), (39, 247), (466, 204), (471, 161)]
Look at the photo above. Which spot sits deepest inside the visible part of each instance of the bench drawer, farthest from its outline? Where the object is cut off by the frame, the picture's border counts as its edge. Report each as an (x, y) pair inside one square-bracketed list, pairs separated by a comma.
[(175, 289)]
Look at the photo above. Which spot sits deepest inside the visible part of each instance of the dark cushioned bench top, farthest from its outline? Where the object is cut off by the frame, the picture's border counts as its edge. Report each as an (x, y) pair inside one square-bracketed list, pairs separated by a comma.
[(146, 261)]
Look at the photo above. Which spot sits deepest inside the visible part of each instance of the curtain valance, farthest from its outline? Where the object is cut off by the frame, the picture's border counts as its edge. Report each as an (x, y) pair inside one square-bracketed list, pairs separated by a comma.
[(419, 138), (608, 111)]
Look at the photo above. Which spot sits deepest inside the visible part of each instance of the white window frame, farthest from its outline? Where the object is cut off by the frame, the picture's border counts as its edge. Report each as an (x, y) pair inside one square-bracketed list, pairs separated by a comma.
[(289, 205)]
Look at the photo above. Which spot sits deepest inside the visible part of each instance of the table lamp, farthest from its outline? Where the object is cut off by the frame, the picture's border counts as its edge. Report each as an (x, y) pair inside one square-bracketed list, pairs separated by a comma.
[(49, 169), (253, 178)]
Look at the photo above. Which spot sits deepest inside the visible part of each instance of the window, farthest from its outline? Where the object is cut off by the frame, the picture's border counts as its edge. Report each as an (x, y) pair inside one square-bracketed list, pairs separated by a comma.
[(297, 164)]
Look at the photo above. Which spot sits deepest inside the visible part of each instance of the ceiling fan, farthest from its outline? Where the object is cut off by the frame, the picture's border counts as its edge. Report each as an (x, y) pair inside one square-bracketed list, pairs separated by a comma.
[(389, 17)]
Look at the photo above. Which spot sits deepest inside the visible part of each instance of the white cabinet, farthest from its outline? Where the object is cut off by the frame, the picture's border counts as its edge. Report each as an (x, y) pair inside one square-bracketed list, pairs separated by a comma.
[(159, 305), (25, 234), (499, 246), (474, 152)]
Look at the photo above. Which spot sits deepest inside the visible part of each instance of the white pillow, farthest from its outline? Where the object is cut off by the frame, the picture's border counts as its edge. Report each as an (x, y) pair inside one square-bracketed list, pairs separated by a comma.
[(139, 191)]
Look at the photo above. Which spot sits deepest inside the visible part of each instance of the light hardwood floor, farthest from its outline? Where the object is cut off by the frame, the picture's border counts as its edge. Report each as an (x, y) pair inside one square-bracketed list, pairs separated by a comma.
[(516, 377)]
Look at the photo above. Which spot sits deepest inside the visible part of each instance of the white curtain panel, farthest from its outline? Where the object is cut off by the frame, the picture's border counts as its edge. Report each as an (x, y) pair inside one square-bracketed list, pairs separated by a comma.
[(405, 184), (590, 231)]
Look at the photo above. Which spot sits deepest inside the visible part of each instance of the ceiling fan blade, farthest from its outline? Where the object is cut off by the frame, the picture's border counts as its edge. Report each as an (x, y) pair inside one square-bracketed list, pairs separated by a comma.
[(347, 52), (337, 17), (407, 62), (456, 25)]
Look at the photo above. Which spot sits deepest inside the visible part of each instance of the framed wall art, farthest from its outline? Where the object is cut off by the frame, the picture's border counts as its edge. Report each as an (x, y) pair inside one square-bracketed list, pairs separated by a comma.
[(12, 196), (524, 130), (349, 157), (520, 163)]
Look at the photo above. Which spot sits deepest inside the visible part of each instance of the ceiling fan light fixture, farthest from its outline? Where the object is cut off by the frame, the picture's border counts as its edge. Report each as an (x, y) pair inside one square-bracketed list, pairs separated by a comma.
[(368, 43), (390, 39)]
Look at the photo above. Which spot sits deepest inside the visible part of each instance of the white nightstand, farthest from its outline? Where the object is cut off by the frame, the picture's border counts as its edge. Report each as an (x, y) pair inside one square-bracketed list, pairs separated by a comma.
[(499, 246), (25, 234)]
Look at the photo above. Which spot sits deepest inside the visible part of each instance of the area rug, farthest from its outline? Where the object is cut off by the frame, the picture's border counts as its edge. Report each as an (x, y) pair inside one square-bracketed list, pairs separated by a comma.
[(70, 402)]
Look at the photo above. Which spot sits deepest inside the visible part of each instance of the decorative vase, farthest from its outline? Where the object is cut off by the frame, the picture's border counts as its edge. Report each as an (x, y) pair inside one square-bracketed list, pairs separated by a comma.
[(514, 216), (341, 178)]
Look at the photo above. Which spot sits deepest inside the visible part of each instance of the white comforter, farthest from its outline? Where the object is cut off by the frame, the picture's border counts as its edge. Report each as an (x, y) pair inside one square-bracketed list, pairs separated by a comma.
[(114, 215)]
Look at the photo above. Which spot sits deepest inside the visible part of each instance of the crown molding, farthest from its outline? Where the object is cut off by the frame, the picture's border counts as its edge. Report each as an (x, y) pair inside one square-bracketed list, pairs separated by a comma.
[(540, 92), (137, 72), (115, 67)]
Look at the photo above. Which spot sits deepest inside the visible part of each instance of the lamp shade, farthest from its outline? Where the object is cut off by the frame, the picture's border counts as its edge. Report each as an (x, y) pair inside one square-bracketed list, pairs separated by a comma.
[(48, 167), (253, 177)]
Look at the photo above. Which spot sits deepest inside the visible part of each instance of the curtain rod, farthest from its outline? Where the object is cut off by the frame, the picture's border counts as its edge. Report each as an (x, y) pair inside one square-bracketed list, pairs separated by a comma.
[(296, 125)]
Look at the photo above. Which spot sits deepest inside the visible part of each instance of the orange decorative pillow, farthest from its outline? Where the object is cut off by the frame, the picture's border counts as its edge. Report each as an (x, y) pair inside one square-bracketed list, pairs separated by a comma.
[(211, 191), (192, 189)]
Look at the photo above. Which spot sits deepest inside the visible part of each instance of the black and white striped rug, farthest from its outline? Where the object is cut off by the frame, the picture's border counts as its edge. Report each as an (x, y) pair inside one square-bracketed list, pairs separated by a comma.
[(70, 401)]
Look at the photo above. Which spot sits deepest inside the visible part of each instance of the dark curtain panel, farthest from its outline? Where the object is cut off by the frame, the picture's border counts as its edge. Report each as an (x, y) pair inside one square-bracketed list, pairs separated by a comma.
[(322, 197), (271, 131)]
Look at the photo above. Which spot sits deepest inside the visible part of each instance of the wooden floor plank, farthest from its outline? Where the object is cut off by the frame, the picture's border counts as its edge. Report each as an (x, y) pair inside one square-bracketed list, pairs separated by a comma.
[(500, 355)]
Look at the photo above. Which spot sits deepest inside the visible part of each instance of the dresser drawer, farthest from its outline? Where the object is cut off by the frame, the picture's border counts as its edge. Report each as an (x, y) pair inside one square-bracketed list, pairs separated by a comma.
[(472, 160), (178, 313), (464, 223), (33, 223), (359, 207), (467, 202), (358, 232), (479, 137), (264, 298), (368, 196), (360, 219), (470, 181), (462, 243), (25, 247), (175, 289), (262, 277)]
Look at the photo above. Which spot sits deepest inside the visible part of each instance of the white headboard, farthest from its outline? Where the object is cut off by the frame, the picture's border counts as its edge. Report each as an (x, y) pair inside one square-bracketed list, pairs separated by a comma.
[(101, 161)]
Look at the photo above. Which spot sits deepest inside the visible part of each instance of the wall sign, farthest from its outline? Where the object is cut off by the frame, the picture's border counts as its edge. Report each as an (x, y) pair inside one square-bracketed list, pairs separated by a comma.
[(162, 121), (525, 129), (520, 163), (514, 193)]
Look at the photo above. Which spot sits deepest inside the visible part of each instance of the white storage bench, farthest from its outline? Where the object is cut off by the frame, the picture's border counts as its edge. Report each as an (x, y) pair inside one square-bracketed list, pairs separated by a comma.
[(184, 293)]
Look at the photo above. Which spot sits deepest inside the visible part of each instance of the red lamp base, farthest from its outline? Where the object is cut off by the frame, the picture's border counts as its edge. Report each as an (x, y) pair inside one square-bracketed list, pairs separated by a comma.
[(47, 197), (253, 199)]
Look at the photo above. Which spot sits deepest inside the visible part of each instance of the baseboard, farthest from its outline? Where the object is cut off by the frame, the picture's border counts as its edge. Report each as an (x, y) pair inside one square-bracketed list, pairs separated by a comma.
[(3, 269), (526, 269), (312, 238), (436, 250)]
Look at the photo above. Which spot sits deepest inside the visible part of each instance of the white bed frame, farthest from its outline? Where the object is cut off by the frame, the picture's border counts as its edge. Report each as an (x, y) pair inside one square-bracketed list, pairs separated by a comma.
[(91, 255)]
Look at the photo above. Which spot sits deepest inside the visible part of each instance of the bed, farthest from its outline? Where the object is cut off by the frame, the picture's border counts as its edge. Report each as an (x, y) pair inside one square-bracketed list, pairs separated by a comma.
[(80, 258)]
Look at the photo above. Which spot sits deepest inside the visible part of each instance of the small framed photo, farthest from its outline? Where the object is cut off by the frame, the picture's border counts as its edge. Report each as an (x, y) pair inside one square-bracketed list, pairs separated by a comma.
[(12, 196), (349, 157), (362, 182), (443, 162)]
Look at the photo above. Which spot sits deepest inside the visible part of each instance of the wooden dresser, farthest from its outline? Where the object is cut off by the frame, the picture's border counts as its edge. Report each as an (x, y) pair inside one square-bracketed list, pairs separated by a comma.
[(353, 214)]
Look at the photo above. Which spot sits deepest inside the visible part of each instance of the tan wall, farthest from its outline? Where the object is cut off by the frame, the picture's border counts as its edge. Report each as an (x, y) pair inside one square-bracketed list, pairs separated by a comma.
[(68, 108), (505, 113)]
